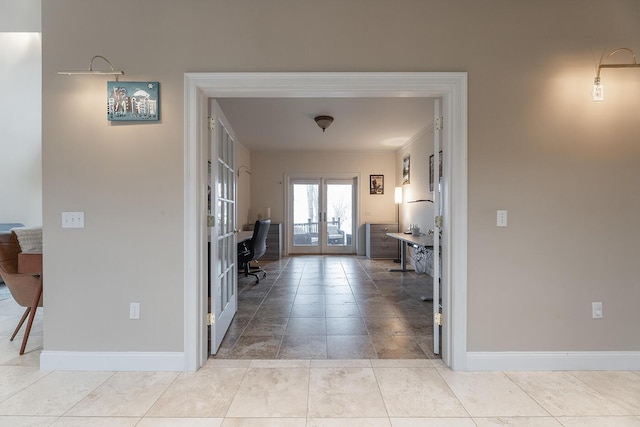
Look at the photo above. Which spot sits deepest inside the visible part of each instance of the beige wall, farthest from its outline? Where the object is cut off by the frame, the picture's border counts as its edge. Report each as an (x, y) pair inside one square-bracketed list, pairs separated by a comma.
[(564, 167), (268, 185)]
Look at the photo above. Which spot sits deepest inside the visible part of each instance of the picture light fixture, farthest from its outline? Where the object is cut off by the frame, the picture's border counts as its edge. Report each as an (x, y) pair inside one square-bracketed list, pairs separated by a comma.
[(91, 71), (598, 90)]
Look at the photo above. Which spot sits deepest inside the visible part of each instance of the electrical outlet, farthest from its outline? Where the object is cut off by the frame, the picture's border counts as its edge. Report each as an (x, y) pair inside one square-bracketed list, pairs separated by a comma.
[(134, 310), (596, 310)]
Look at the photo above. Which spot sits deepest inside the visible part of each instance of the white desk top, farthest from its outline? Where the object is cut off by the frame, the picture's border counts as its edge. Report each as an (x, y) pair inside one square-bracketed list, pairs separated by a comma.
[(421, 240), (244, 235)]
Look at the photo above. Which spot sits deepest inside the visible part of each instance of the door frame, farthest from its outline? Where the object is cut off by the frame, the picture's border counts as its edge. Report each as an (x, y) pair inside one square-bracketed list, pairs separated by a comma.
[(451, 87)]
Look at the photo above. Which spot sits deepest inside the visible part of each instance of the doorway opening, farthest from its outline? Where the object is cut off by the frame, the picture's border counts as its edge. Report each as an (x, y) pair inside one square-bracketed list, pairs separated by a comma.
[(451, 87)]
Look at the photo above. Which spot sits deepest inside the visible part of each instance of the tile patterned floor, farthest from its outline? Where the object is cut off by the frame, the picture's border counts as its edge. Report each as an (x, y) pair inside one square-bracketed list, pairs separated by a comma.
[(332, 307), (306, 392), (318, 393)]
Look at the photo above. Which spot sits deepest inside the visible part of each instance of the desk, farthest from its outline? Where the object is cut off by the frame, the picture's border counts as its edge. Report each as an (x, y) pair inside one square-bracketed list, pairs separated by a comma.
[(405, 239), (30, 263), (243, 236)]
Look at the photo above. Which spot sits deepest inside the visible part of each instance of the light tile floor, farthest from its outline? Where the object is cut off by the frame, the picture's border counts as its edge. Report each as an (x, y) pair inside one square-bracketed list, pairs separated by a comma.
[(318, 393), (370, 392)]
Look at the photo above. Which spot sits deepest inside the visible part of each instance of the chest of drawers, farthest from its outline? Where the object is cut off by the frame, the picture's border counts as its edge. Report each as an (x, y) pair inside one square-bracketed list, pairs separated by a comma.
[(379, 245)]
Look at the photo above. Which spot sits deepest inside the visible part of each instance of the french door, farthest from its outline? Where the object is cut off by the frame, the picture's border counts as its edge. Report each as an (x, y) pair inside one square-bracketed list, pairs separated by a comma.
[(321, 215), (223, 275), (437, 227)]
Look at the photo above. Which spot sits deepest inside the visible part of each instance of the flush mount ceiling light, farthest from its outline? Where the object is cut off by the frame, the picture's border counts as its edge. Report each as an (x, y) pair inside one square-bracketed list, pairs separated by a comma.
[(91, 71), (598, 90), (323, 121)]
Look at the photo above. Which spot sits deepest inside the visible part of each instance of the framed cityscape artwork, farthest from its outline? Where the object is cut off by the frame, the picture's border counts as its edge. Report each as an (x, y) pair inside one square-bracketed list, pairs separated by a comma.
[(133, 101)]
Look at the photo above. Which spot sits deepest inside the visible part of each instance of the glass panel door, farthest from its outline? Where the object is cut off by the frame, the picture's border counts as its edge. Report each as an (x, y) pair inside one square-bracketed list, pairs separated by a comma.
[(339, 216), (305, 229), (223, 275), (437, 227), (322, 213)]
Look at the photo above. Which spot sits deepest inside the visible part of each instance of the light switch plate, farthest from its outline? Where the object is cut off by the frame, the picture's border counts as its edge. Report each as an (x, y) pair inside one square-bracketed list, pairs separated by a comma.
[(502, 218), (72, 219), (596, 310)]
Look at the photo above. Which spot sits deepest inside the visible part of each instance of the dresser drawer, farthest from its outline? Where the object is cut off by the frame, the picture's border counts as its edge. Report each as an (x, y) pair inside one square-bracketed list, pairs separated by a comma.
[(383, 228), (379, 238), (378, 244), (388, 250)]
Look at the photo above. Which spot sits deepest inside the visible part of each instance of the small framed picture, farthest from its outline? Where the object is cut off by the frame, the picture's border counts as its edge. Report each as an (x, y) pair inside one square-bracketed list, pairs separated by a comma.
[(133, 101), (406, 165), (376, 184), (431, 179)]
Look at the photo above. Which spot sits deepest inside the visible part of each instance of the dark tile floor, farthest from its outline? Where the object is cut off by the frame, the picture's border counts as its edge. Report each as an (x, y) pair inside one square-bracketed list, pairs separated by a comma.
[(331, 307)]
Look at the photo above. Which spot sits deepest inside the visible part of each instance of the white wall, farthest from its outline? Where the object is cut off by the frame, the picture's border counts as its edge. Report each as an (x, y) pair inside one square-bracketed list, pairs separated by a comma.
[(419, 148), (20, 128), (20, 16), (414, 210)]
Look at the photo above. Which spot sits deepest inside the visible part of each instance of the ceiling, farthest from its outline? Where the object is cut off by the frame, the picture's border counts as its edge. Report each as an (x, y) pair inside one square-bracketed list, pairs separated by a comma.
[(284, 124)]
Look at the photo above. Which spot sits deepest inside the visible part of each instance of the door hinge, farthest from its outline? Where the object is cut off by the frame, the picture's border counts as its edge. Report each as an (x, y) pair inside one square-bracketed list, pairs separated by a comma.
[(211, 319), (439, 123), (438, 221), (212, 123), (437, 319), (211, 221)]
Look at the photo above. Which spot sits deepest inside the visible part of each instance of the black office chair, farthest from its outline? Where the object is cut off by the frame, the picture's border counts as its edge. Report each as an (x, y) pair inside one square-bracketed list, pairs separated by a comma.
[(253, 249)]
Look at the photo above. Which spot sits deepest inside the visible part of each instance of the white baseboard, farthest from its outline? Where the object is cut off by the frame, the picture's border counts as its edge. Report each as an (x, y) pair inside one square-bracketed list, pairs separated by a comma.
[(112, 361), (553, 361)]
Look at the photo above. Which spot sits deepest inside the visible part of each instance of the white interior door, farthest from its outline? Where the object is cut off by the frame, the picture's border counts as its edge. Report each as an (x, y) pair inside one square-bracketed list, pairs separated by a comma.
[(223, 276), (437, 226), (321, 212)]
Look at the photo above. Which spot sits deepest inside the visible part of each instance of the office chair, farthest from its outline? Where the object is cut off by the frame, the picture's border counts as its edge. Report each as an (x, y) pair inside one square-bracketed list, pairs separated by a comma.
[(254, 249)]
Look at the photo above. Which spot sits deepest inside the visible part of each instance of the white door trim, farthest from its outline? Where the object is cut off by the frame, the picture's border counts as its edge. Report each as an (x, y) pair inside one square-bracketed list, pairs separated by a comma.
[(452, 87)]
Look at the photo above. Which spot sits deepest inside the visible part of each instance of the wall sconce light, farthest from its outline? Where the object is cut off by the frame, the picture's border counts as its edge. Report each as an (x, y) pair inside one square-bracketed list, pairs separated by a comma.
[(323, 121), (598, 90), (246, 170), (91, 71)]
